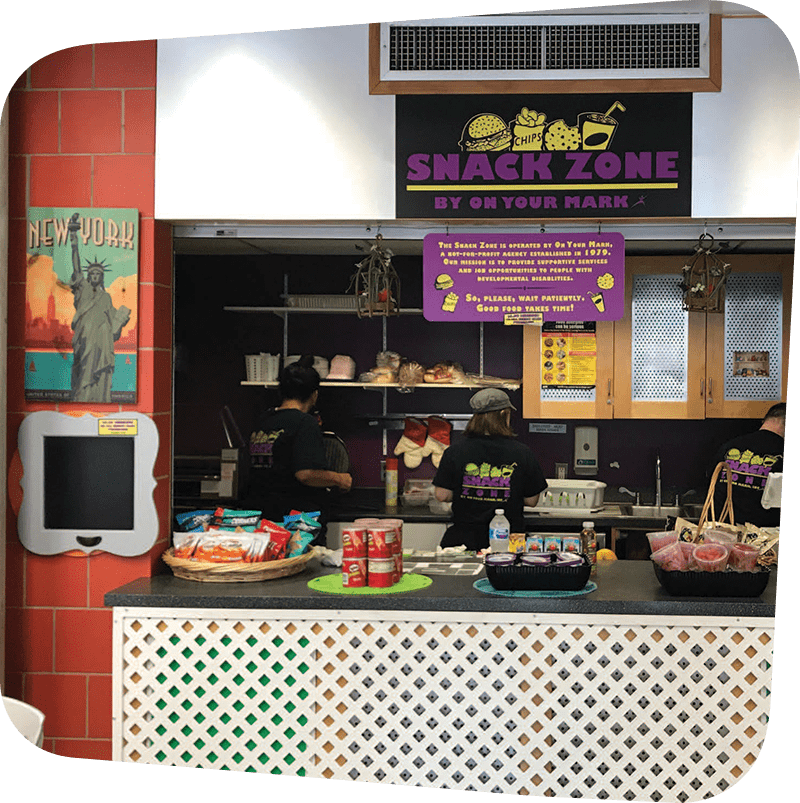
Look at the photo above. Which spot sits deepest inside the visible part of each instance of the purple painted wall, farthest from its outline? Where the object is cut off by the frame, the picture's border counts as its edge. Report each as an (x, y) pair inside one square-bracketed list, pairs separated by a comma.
[(211, 345)]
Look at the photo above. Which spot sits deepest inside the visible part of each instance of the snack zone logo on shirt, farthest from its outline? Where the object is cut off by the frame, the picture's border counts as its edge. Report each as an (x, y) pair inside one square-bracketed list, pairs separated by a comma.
[(485, 481), (261, 447), (749, 469)]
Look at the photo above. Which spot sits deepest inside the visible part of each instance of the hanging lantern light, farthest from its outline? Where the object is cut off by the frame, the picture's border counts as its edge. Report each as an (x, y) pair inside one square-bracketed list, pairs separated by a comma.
[(376, 283), (704, 278)]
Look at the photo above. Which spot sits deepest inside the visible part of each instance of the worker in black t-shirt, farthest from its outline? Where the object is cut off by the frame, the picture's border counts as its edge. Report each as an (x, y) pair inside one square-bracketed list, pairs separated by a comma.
[(485, 470), (752, 458), (288, 466)]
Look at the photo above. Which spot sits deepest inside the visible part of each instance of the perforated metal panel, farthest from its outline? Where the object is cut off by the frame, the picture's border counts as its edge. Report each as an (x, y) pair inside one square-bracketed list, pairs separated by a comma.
[(754, 322), (622, 47), (621, 708), (568, 394), (659, 340), (523, 48)]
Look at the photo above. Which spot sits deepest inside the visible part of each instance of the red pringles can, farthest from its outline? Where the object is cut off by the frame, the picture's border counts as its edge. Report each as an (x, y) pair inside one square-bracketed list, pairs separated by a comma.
[(354, 572), (380, 573), (381, 540), (354, 541), (398, 546)]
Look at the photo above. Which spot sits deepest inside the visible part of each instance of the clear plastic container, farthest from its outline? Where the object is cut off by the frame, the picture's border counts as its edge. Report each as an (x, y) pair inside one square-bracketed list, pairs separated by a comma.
[(743, 558), (710, 557), (661, 539), (714, 536), (671, 558), (500, 559), (688, 548)]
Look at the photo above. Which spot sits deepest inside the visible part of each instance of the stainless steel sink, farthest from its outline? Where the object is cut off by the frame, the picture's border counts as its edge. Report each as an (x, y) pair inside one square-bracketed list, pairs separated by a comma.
[(653, 511)]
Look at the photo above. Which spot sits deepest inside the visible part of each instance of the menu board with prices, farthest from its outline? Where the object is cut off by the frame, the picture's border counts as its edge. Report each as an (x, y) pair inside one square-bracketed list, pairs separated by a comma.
[(569, 354)]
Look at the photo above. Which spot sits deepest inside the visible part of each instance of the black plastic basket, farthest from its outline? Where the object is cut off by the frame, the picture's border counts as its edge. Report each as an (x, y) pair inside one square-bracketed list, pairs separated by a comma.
[(519, 577), (713, 584)]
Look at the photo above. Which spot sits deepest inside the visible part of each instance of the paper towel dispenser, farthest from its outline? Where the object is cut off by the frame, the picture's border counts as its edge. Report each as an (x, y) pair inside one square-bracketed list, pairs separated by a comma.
[(586, 461)]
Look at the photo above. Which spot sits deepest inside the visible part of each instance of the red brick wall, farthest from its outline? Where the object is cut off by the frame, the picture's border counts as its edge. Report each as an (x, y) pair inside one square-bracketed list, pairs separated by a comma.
[(82, 133)]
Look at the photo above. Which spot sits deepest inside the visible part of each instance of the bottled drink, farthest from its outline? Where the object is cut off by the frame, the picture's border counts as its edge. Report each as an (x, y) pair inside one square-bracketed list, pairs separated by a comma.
[(391, 482), (499, 530), (589, 544)]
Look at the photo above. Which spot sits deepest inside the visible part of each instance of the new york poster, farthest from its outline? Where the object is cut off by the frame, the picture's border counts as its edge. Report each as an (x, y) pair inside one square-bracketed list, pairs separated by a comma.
[(81, 305)]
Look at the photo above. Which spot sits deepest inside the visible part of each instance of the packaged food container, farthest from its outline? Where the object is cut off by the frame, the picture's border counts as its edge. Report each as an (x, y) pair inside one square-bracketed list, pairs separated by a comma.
[(688, 549), (743, 557), (568, 559), (720, 537), (535, 559), (516, 542), (661, 539), (552, 543), (571, 543), (671, 558), (534, 543), (417, 492), (710, 557), (500, 559)]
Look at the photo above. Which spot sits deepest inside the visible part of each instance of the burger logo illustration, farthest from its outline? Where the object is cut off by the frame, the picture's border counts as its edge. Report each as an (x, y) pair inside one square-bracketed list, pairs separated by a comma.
[(485, 132), (443, 282)]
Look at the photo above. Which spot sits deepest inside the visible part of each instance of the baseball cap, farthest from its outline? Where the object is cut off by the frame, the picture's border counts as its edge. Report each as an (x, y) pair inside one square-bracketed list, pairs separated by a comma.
[(490, 399)]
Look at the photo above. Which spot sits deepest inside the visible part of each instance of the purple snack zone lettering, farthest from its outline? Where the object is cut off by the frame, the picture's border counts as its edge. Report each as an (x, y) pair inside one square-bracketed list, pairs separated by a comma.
[(567, 277)]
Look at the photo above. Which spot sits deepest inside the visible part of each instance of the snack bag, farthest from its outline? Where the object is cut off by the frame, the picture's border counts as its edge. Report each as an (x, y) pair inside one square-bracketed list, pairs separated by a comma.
[(184, 544), (225, 548), (298, 543), (193, 520), (226, 519)]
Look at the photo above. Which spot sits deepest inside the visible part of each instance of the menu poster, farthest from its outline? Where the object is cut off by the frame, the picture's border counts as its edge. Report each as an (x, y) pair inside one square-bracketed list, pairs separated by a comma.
[(569, 354), (523, 278)]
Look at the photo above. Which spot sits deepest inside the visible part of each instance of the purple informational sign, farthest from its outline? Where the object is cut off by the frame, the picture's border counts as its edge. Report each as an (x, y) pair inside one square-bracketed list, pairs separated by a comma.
[(523, 278)]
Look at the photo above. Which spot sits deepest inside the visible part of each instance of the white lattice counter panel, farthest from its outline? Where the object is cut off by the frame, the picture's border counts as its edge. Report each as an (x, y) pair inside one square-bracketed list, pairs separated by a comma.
[(641, 708)]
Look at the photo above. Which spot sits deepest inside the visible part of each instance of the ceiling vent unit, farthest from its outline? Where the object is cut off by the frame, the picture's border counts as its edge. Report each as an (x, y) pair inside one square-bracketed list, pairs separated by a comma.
[(640, 47)]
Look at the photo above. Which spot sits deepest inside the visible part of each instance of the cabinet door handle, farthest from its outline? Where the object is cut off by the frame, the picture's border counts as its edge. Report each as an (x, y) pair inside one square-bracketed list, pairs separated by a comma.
[(702, 387), (710, 400), (609, 399)]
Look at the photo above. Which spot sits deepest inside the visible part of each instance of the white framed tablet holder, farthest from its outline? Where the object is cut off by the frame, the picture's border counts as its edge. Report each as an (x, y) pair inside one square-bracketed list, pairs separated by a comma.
[(88, 483)]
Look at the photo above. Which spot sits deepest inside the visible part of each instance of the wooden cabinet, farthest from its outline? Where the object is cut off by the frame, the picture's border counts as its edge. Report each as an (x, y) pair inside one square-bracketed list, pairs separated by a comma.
[(659, 361), (659, 350), (566, 403), (747, 348)]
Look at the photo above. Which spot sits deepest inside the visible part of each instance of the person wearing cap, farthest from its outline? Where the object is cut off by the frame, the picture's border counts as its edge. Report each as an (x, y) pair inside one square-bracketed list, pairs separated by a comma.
[(485, 470)]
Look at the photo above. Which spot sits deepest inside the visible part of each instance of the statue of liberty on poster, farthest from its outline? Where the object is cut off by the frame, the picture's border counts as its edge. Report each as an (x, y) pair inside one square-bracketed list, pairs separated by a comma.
[(96, 326), (81, 305)]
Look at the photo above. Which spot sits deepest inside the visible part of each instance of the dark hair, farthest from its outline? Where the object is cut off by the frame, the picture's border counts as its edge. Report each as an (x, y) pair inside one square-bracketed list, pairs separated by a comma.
[(489, 425), (776, 411), (299, 380)]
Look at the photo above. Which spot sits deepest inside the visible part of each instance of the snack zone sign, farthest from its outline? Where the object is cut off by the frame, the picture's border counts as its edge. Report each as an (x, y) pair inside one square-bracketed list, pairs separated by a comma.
[(543, 156)]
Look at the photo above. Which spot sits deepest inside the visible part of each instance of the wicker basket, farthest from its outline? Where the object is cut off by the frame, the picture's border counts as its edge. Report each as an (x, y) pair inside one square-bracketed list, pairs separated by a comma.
[(239, 572)]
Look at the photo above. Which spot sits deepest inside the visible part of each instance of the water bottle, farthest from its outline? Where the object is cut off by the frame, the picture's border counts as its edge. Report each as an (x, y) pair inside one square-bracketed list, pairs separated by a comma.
[(589, 544), (499, 530)]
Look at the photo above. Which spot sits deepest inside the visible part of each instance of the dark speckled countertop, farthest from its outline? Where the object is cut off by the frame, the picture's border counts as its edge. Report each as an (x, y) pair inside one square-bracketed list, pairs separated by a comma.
[(624, 587)]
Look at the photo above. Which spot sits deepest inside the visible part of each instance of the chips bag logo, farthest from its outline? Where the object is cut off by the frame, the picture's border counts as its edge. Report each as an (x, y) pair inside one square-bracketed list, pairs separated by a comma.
[(530, 131)]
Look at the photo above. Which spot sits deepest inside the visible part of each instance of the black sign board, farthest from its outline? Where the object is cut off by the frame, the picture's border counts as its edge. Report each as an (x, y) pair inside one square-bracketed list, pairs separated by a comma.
[(544, 156)]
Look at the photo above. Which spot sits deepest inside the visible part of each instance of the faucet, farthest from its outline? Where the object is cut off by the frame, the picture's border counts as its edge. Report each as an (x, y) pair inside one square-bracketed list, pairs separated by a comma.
[(658, 479), (624, 490)]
